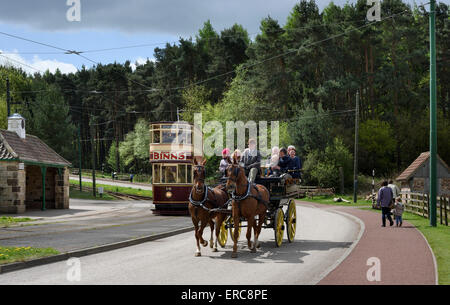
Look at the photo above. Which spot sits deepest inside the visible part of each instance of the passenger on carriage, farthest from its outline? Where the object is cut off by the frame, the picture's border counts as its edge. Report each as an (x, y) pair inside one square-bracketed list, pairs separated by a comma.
[(274, 169), (296, 164), (238, 155), (252, 161), (285, 162), (225, 162)]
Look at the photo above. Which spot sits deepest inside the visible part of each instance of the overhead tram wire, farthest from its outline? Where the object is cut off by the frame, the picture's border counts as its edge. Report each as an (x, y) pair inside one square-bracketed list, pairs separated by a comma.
[(229, 72), (238, 35)]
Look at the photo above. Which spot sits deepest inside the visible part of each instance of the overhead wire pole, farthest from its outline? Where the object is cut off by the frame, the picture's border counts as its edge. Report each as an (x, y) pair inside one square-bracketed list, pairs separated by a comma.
[(355, 157), (8, 97), (433, 132)]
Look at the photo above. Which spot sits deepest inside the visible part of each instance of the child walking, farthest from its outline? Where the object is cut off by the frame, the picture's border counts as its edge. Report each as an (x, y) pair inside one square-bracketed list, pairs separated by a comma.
[(398, 212)]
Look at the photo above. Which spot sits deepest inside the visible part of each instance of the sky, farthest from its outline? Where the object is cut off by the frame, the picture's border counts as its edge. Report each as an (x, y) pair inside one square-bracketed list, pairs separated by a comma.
[(117, 23)]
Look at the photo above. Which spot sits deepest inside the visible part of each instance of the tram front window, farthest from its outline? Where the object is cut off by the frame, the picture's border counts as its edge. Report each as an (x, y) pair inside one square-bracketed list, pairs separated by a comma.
[(169, 174), (168, 136)]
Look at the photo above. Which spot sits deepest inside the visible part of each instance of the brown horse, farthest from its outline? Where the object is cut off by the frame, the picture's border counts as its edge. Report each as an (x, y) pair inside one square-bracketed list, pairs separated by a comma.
[(248, 201), (201, 201)]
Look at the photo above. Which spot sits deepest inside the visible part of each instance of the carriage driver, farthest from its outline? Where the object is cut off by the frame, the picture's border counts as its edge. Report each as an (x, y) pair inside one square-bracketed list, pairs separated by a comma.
[(252, 161)]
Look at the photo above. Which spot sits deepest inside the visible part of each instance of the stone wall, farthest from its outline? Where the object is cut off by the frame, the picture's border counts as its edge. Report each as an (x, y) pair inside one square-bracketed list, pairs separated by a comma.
[(62, 189), (12, 187)]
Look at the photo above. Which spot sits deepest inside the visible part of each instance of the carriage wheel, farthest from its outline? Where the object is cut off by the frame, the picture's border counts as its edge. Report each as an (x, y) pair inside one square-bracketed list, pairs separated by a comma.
[(291, 220), (279, 227), (223, 235), (232, 228)]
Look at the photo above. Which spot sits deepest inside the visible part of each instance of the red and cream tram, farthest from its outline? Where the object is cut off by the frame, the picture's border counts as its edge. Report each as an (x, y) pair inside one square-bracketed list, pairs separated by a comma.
[(171, 155)]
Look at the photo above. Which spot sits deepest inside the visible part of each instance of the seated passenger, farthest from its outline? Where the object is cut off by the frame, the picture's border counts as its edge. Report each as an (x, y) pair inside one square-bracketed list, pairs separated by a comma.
[(296, 164), (238, 155), (274, 169), (252, 161), (225, 162), (285, 161)]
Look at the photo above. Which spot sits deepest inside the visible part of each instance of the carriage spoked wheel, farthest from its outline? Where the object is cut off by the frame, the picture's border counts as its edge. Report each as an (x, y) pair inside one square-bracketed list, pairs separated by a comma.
[(223, 235), (291, 220), (233, 227), (279, 227)]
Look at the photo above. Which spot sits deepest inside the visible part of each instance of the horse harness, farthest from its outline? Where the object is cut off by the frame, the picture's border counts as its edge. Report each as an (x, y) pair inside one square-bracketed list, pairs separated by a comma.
[(249, 194)]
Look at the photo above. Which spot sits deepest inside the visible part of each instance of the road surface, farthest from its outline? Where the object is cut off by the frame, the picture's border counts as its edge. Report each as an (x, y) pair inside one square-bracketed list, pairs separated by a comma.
[(90, 223), (142, 186), (323, 239)]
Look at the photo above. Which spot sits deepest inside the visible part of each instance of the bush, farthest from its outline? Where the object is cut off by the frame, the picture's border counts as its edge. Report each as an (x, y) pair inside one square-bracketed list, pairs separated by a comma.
[(322, 168)]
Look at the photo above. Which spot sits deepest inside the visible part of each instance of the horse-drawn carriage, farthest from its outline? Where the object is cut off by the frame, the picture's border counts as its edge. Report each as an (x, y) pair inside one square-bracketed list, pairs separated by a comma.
[(281, 214), (272, 206)]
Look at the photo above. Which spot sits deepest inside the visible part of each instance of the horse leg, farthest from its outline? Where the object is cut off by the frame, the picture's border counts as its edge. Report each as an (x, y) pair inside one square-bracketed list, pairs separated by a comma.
[(219, 221), (250, 226), (236, 219), (200, 233), (211, 239), (261, 218), (197, 253)]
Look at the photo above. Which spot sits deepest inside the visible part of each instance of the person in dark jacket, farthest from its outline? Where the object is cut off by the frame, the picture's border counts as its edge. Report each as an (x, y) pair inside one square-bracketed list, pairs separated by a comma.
[(285, 161), (384, 200), (252, 161), (296, 164)]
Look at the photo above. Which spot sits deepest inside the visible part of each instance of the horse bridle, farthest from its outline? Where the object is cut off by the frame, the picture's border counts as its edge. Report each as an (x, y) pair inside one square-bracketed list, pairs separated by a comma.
[(237, 169), (201, 167)]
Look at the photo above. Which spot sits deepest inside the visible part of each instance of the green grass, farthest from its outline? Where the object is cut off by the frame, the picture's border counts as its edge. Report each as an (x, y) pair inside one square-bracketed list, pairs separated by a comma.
[(326, 199), (118, 189), (6, 221), (76, 194), (18, 254)]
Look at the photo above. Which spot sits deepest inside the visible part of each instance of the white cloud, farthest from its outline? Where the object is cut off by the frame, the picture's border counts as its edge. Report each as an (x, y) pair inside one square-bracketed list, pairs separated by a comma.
[(36, 64), (139, 62)]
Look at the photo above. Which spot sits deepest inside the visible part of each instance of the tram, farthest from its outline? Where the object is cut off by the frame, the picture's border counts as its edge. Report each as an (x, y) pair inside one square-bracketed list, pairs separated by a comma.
[(171, 153)]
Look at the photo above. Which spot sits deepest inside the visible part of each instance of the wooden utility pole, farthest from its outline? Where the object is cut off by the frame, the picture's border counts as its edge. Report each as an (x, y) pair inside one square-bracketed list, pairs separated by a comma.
[(93, 155), (355, 157)]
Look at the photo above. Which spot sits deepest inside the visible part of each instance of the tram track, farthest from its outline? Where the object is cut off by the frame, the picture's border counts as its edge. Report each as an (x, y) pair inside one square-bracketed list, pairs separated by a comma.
[(117, 195)]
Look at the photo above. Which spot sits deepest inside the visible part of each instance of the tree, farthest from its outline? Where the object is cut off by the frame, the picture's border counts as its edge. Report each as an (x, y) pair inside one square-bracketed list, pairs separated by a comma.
[(51, 122), (377, 147)]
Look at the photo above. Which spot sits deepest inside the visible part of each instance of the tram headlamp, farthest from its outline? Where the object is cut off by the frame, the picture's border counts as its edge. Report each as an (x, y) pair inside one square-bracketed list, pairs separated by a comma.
[(169, 195)]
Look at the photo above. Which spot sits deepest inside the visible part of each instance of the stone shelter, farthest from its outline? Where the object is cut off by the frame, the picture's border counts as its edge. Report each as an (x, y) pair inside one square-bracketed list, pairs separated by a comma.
[(32, 175)]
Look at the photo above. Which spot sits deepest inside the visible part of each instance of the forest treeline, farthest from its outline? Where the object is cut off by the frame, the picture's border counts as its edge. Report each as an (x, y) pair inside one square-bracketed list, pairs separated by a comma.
[(303, 71)]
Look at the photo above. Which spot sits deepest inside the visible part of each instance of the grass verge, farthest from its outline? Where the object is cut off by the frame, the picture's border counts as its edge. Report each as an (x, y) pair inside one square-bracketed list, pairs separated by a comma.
[(6, 221), (20, 254), (76, 194), (326, 199), (118, 189)]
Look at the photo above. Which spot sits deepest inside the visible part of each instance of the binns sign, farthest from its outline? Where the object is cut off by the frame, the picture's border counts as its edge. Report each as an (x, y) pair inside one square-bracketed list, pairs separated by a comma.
[(172, 156)]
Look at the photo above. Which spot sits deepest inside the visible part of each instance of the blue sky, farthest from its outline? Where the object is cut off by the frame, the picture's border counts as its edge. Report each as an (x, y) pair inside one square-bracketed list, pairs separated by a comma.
[(117, 23)]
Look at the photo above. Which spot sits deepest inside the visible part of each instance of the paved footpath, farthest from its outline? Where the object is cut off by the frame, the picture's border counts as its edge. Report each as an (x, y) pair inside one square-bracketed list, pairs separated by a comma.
[(404, 254)]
